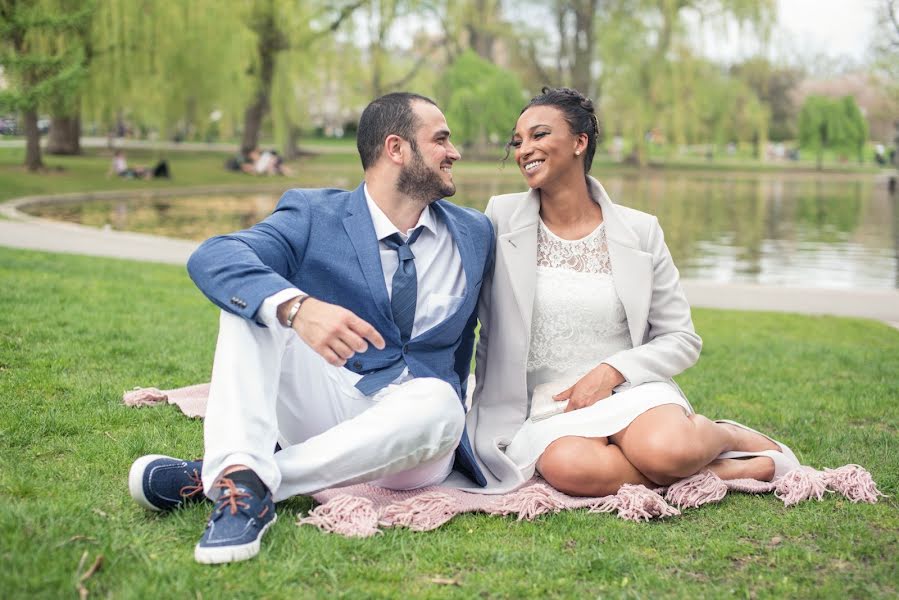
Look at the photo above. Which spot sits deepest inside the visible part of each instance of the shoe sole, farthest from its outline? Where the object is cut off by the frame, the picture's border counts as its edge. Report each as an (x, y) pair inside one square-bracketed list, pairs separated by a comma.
[(136, 480), (227, 554)]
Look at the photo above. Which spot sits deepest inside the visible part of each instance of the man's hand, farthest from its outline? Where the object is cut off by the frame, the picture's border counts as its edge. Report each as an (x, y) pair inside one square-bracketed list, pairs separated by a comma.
[(591, 388), (332, 331)]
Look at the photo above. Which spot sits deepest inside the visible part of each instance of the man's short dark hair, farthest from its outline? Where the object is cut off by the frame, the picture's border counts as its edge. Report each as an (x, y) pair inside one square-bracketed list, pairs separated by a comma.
[(388, 115)]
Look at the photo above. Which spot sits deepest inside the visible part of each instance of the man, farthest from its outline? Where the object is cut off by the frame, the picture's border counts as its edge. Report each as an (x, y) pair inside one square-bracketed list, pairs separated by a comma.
[(345, 338)]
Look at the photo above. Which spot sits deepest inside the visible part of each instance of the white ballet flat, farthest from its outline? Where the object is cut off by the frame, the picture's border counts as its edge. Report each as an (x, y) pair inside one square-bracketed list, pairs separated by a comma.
[(784, 461)]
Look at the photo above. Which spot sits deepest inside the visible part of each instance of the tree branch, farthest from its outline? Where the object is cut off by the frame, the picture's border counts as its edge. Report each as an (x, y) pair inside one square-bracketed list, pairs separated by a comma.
[(405, 79)]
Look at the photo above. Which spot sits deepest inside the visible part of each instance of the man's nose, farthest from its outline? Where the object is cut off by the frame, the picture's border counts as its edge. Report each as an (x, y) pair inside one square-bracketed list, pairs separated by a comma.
[(453, 153)]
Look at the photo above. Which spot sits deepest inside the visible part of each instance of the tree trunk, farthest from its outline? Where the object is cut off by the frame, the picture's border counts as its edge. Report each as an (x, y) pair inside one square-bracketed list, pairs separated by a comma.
[(65, 135), (584, 43), (252, 124), (480, 37), (291, 147), (33, 160), (270, 41)]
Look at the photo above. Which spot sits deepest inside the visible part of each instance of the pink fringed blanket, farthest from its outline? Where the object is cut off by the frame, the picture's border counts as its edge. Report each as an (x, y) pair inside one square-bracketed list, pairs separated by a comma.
[(363, 510)]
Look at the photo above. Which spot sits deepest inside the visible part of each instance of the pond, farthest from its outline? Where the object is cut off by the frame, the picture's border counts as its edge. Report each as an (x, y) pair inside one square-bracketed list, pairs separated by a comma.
[(772, 229)]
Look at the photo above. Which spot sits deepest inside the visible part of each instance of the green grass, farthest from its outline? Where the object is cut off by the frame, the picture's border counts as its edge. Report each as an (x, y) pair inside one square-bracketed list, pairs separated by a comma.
[(88, 172), (75, 332)]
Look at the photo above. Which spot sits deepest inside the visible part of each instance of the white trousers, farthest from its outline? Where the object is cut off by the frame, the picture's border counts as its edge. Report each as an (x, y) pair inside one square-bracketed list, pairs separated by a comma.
[(268, 386)]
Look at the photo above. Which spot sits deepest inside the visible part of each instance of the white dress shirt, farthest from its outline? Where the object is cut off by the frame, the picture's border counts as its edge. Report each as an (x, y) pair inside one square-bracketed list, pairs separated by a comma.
[(438, 267)]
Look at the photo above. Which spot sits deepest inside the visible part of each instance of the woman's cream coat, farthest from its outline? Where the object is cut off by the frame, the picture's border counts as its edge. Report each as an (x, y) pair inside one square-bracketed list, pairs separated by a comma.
[(647, 282)]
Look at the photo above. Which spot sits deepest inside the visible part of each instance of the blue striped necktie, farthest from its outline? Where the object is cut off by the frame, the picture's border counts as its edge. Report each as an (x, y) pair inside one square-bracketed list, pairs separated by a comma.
[(404, 297)]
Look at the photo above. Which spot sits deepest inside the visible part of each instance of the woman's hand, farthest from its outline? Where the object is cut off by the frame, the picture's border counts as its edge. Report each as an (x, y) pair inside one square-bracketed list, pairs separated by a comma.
[(591, 388)]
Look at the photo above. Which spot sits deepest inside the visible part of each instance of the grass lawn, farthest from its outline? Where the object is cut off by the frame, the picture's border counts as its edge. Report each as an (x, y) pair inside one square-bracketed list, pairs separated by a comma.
[(75, 332)]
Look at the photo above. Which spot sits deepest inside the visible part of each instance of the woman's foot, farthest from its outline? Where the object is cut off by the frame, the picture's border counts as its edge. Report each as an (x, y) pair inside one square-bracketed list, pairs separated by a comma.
[(751, 444)]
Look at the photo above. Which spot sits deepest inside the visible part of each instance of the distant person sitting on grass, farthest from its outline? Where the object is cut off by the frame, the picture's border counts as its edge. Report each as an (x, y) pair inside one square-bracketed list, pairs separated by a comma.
[(256, 162), (119, 166)]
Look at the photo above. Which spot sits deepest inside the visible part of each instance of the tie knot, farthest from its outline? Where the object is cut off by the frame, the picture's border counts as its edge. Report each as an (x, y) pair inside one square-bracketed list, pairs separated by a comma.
[(395, 242), (404, 253)]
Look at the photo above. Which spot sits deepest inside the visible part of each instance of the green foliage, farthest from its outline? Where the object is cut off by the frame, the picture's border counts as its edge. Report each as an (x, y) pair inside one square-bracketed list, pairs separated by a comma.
[(40, 51), (481, 101), (168, 68), (773, 85), (828, 123), (662, 87)]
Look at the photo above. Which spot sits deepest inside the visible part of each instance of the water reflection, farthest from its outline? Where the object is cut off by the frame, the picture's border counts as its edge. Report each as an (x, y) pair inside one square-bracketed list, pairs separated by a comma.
[(769, 229)]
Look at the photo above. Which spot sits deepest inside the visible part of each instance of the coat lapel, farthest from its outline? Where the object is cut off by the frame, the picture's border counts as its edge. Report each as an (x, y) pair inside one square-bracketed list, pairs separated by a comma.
[(361, 232), (518, 250), (631, 267)]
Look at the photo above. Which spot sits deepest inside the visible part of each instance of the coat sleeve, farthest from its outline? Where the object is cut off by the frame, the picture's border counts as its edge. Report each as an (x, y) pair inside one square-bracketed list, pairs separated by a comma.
[(239, 271), (483, 313), (671, 344), (466, 347)]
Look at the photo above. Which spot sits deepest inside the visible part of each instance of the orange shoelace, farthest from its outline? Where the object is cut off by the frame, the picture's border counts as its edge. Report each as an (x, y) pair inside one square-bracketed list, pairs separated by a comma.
[(188, 491), (231, 496)]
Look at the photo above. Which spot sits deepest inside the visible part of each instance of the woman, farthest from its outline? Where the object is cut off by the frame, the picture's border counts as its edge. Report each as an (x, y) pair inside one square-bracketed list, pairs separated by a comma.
[(585, 300)]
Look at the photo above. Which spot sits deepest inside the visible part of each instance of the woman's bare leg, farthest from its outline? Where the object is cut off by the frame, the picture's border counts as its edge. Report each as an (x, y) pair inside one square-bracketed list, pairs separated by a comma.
[(580, 466), (666, 444)]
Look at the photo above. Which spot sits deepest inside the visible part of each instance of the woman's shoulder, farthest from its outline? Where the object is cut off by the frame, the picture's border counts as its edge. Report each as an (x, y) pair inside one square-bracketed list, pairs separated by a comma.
[(635, 218), (506, 203), (503, 207)]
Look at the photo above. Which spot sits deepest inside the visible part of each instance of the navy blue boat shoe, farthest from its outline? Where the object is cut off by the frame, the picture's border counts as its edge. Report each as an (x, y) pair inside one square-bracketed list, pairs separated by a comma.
[(236, 526), (162, 483)]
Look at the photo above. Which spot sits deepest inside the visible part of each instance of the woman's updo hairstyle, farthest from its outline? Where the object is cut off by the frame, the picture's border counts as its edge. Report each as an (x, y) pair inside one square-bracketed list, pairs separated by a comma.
[(579, 114)]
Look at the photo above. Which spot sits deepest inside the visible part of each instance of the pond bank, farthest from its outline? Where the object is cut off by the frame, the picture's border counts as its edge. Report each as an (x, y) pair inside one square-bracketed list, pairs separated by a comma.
[(19, 230)]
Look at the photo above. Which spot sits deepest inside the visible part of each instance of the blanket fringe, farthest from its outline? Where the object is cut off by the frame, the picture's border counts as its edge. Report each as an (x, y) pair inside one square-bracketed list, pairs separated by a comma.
[(854, 482), (144, 397), (800, 484), (697, 490), (421, 513), (530, 502), (350, 516), (635, 503)]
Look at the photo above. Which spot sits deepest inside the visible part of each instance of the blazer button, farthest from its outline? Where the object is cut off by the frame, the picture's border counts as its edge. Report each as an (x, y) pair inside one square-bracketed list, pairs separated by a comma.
[(357, 365)]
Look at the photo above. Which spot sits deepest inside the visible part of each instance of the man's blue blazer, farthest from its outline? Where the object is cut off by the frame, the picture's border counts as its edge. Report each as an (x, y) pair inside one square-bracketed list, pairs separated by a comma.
[(323, 242)]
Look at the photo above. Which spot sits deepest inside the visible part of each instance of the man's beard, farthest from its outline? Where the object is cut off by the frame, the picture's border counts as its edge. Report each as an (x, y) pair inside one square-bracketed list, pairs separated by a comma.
[(421, 183)]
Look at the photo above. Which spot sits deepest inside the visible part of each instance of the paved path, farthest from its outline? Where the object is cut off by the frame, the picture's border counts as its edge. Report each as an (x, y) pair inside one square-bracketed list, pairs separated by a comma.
[(24, 231)]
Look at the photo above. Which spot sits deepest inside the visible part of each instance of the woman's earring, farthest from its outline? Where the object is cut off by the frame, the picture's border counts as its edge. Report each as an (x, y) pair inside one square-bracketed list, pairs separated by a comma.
[(577, 152)]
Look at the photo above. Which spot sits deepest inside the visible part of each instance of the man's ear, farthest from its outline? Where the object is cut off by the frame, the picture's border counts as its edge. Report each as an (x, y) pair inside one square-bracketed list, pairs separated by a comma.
[(393, 149)]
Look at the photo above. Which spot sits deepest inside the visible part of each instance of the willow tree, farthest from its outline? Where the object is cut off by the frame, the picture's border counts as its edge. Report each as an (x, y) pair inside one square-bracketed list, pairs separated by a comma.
[(643, 49), (478, 25), (482, 101), (560, 44), (41, 59), (834, 124), (64, 137), (166, 70), (279, 26)]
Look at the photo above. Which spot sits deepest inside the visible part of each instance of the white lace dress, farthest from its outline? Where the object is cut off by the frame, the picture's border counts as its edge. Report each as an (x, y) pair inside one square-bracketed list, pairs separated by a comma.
[(578, 322)]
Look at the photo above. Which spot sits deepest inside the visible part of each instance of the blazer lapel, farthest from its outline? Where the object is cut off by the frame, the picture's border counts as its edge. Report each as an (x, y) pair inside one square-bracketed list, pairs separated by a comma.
[(631, 267), (361, 232), (518, 250)]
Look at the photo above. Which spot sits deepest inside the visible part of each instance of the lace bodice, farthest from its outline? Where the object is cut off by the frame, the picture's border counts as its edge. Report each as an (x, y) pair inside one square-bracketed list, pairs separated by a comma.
[(578, 319)]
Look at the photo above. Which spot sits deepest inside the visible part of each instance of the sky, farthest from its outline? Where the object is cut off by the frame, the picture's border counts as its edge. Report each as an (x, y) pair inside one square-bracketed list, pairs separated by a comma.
[(839, 29), (833, 27)]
